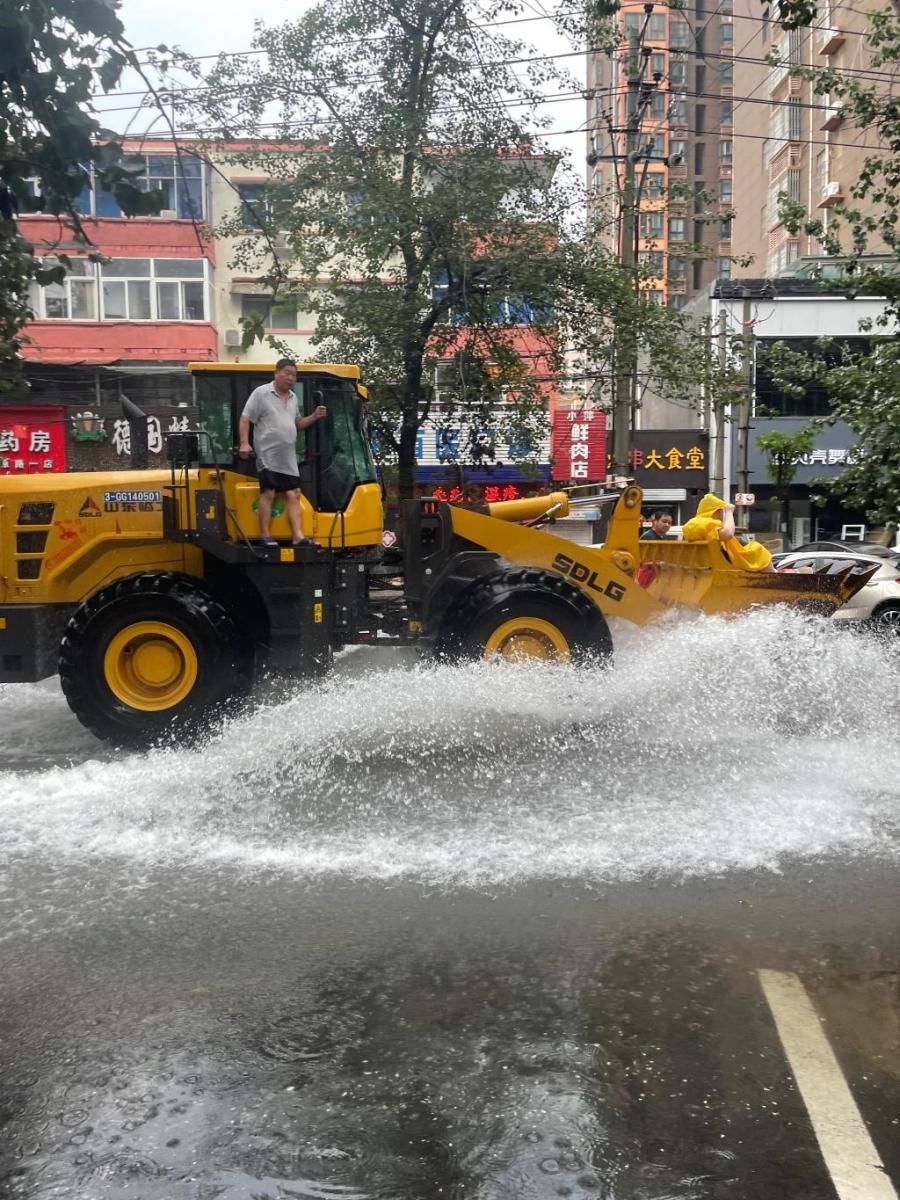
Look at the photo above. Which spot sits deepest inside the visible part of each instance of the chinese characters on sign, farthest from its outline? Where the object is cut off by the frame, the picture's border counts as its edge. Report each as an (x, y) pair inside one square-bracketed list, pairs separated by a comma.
[(828, 458), (578, 444), (121, 434), (32, 438), (492, 493), (670, 458)]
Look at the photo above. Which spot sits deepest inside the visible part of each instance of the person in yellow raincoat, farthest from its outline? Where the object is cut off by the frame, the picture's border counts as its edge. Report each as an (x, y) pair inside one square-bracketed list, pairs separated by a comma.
[(715, 522)]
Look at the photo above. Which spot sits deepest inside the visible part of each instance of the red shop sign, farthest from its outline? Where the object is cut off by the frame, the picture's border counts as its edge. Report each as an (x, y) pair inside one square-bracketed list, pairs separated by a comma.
[(578, 444), (32, 438)]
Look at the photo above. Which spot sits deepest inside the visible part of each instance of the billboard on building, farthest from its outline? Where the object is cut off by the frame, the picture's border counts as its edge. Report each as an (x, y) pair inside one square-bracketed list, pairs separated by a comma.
[(32, 438), (578, 444), (670, 458)]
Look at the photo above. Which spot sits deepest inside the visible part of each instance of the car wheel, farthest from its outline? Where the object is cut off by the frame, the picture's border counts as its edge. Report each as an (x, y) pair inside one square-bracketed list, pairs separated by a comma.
[(886, 620)]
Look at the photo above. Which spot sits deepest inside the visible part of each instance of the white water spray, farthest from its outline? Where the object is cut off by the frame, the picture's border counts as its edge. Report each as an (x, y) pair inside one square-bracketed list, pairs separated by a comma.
[(711, 746)]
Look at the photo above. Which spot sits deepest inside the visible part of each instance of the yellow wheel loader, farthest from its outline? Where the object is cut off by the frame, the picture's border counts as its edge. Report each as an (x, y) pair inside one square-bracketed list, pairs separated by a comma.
[(151, 595)]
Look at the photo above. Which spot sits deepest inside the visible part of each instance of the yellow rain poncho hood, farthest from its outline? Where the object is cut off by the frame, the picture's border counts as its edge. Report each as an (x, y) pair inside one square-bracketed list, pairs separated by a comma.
[(705, 526), (709, 505)]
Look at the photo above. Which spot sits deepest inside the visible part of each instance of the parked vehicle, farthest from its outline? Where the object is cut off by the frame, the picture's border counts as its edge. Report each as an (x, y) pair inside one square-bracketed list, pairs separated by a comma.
[(870, 548), (877, 603)]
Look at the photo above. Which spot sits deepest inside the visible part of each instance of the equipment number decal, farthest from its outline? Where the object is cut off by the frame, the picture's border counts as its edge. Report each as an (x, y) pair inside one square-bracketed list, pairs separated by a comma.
[(135, 497)]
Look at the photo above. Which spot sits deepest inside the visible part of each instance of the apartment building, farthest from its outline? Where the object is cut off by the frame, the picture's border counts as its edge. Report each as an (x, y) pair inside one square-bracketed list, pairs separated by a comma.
[(169, 293), (684, 172), (788, 140)]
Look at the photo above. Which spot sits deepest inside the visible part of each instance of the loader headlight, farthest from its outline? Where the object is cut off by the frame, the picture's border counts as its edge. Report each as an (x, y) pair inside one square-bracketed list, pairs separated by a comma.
[(632, 497)]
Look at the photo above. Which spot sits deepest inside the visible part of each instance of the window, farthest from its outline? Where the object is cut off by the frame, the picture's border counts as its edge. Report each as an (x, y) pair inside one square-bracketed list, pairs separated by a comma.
[(179, 177), (697, 274), (727, 33), (725, 191), (700, 79), (677, 72), (655, 183), (597, 181), (700, 118), (699, 149), (162, 289), (726, 112), (657, 64), (75, 299), (282, 315), (726, 74), (657, 146), (677, 151), (677, 300), (726, 150), (658, 105), (723, 267), (676, 229), (676, 268), (725, 229), (807, 398), (657, 27), (652, 262), (634, 22), (254, 205), (651, 224), (679, 34), (678, 111), (654, 297)]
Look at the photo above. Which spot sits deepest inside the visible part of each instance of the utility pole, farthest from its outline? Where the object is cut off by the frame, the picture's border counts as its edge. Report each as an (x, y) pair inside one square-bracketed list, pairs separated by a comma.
[(717, 448), (626, 342), (743, 517)]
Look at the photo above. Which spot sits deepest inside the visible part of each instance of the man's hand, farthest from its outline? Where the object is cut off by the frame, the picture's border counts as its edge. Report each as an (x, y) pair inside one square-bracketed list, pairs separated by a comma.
[(245, 450), (321, 412)]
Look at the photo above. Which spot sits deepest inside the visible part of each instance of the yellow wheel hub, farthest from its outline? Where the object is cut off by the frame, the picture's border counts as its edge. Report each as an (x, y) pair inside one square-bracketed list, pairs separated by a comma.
[(527, 638), (150, 666)]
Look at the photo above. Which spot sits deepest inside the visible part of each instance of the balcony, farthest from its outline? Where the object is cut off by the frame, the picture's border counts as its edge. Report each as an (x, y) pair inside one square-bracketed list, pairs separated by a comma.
[(832, 194)]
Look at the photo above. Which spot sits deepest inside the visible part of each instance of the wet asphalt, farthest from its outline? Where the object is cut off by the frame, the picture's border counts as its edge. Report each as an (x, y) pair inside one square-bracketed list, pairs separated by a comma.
[(528, 970)]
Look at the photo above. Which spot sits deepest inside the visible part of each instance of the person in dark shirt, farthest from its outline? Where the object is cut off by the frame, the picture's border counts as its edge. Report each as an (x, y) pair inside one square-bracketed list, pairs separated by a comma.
[(660, 524)]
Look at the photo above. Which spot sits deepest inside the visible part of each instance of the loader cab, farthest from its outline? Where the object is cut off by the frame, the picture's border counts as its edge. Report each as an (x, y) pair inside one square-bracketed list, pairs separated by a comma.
[(334, 455)]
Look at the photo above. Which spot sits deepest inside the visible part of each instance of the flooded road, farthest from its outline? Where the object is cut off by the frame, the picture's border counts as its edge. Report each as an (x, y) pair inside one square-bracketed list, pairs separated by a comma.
[(472, 933)]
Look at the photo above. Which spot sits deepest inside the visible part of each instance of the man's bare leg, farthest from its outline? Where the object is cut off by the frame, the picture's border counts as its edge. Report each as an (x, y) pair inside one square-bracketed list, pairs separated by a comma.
[(292, 499), (265, 512)]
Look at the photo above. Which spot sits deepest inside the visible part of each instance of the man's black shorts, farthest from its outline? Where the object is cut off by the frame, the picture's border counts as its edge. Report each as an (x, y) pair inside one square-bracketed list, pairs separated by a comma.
[(275, 481)]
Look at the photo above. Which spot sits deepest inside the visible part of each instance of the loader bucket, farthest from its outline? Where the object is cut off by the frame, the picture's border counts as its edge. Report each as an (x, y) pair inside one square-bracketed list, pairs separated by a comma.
[(821, 592)]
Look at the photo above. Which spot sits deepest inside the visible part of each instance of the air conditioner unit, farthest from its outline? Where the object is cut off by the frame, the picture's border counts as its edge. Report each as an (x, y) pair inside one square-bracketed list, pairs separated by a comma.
[(281, 242), (168, 214), (232, 337), (832, 188)]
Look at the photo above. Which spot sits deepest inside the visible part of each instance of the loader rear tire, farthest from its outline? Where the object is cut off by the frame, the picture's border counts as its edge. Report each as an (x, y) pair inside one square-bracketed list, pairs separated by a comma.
[(525, 615), (152, 658)]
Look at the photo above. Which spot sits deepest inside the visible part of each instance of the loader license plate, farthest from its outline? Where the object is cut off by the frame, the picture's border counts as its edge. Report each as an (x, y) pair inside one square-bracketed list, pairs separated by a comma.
[(132, 497)]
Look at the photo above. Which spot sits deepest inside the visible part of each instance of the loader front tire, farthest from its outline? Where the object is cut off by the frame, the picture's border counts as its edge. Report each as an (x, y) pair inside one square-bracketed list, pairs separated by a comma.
[(525, 616), (152, 657)]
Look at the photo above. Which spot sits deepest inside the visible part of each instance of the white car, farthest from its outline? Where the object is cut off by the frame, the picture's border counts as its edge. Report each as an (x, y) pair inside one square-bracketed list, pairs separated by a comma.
[(877, 603)]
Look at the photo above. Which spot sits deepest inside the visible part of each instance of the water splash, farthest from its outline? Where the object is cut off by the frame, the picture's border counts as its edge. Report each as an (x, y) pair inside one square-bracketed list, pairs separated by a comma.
[(711, 746)]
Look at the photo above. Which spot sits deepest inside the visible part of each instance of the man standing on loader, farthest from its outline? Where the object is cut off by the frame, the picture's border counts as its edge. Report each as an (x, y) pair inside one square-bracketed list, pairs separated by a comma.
[(273, 412)]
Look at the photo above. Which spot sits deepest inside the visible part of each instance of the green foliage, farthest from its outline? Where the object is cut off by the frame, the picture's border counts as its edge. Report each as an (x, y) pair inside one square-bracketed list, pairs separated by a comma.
[(419, 215), (53, 56), (782, 450)]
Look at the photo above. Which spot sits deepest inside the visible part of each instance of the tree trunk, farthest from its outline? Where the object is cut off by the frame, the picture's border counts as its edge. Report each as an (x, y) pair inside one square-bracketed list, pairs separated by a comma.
[(406, 458)]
